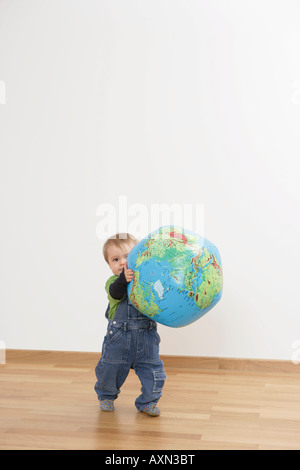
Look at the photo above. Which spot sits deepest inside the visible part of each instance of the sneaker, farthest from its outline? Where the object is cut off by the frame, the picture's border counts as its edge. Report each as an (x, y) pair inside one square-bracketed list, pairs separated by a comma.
[(151, 410), (107, 405)]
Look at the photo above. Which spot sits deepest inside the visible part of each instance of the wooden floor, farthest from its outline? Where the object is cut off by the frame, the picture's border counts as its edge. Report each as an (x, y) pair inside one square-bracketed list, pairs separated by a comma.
[(48, 402)]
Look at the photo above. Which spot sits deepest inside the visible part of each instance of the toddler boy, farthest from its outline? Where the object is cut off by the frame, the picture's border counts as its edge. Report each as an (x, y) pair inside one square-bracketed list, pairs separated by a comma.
[(131, 342)]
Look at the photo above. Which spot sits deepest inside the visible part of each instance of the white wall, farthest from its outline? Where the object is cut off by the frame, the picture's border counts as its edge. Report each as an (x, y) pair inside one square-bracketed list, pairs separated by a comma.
[(162, 101)]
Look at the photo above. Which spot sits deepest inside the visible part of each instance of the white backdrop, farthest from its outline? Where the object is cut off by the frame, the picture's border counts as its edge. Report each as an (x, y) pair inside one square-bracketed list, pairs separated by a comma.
[(161, 101)]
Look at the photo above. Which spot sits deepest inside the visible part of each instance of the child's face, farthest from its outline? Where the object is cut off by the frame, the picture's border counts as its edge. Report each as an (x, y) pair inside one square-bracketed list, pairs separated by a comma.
[(117, 258)]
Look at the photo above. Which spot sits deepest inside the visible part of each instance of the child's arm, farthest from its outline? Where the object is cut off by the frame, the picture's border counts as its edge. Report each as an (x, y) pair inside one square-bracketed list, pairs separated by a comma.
[(118, 288)]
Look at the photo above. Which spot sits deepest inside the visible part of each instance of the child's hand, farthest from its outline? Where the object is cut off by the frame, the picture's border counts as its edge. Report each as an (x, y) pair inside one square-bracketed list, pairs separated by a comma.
[(128, 273)]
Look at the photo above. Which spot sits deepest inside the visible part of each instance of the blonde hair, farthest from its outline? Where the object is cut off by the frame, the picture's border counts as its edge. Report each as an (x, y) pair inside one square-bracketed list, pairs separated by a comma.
[(120, 240)]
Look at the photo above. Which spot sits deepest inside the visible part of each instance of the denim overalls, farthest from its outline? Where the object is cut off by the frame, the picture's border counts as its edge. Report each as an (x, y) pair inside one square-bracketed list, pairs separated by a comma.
[(131, 342)]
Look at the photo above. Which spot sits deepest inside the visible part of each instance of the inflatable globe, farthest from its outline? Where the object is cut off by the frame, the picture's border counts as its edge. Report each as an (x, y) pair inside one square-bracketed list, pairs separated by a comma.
[(177, 276)]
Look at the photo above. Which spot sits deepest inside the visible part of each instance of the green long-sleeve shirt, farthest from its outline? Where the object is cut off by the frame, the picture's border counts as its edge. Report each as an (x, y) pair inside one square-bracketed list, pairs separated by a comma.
[(113, 303)]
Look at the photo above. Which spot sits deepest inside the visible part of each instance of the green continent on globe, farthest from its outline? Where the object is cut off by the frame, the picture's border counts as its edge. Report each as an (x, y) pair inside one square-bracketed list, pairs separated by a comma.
[(138, 298), (211, 279), (166, 245)]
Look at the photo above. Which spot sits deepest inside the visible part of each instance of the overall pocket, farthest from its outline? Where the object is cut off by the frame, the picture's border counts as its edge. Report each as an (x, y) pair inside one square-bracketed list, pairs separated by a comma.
[(159, 380), (116, 346)]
